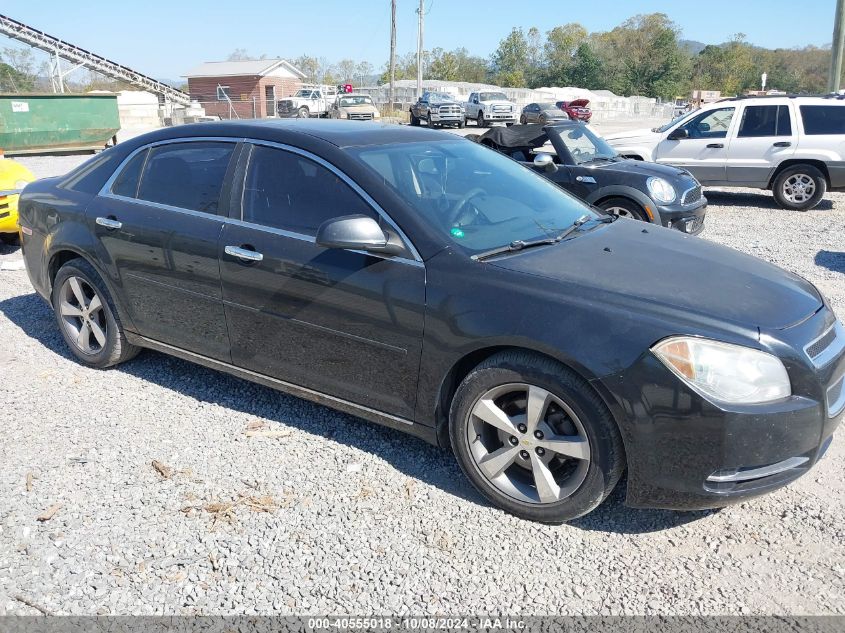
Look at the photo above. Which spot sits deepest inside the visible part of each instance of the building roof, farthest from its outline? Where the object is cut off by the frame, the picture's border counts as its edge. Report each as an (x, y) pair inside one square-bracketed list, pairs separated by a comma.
[(242, 67)]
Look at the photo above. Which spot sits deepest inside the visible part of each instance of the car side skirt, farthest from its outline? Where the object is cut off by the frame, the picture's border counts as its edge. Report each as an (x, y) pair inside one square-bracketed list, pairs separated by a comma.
[(379, 417)]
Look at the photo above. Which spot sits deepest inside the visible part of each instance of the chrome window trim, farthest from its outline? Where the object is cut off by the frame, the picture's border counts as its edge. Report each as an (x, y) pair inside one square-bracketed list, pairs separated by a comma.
[(354, 185), (105, 192), (831, 351)]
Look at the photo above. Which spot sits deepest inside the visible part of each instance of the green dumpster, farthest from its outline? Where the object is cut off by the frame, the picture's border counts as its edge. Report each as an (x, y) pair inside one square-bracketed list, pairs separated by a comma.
[(35, 123)]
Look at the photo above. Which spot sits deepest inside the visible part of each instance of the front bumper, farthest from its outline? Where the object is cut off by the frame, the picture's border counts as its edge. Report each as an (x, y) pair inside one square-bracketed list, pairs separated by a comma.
[(685, 452), (500, 116), (444, 119), (685, 218)]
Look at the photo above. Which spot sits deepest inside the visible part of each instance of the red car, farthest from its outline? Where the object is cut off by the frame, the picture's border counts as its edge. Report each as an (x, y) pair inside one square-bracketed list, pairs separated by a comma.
[(576, 109)]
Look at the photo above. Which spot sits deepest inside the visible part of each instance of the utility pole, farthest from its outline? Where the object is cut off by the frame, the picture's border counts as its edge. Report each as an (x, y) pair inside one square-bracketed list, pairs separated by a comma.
[(392, 51), (421, 12), (836, 47)]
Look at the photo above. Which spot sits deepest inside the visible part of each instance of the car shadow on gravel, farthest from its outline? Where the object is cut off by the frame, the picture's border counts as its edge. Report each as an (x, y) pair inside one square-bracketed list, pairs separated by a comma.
[(762, 200), (8, 249), (832, 260), (411, 456)]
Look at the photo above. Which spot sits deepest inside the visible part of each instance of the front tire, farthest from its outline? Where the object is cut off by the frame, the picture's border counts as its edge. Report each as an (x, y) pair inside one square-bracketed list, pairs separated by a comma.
[(534, 438), (799, 188), (522, 120), (624, 208), (415, 120), (87, 317), (479, 121), (303, 113)]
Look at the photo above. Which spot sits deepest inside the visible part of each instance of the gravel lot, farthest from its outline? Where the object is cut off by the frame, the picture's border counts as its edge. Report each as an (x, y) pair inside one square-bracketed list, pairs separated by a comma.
[(329, 514)]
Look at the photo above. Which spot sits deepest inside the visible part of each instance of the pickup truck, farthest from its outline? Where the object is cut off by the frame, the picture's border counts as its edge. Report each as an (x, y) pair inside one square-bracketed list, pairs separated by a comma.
[(489, 107), (308, 102)]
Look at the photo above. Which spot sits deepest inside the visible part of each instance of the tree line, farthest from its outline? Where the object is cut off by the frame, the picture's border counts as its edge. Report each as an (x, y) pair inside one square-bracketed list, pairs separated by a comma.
[(644, 55)]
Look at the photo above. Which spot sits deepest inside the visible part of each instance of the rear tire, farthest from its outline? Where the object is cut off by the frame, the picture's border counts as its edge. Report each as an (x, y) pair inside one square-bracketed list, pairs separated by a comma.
[(624, 208), (87, 317), (506, 461), (799, 188)]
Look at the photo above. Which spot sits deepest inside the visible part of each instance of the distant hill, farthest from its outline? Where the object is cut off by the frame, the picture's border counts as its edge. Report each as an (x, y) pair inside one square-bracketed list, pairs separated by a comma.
[(691, 46)]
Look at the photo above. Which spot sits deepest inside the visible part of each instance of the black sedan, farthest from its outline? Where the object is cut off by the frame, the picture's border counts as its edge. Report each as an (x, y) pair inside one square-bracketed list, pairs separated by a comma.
[(542, 113), (573, 157), (427, 283)]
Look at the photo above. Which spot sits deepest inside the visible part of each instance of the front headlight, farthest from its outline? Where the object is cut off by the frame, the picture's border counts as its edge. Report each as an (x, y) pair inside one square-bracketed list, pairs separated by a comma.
[(661, 190), (722, 372)]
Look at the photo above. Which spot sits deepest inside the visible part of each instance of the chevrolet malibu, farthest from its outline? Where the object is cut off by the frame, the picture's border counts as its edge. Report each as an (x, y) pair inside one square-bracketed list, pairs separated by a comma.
[(421, 281)]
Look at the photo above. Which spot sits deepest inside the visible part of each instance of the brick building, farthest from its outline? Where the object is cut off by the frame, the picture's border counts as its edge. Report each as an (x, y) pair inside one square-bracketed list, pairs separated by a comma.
[(246, 88)]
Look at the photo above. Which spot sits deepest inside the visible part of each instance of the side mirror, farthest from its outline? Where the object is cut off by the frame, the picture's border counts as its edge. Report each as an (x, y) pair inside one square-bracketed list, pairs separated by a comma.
[(545, 162), (678, 134), (356, 233)]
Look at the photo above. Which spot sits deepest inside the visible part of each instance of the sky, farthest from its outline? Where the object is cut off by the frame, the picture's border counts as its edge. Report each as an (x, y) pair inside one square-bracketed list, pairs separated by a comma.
[(166, 39)]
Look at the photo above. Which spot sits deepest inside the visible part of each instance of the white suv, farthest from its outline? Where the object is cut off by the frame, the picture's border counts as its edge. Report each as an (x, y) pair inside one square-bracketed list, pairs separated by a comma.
[(794, 146)]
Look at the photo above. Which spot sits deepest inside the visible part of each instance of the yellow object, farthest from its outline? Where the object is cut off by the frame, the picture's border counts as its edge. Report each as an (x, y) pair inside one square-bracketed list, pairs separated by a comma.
[(13, 175)]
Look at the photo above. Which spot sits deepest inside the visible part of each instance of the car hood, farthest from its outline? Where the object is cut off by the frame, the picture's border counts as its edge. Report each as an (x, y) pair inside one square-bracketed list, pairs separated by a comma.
[(661, 270), (497, 102), (578, 103), (631, 135), (437, 104), (642, 168), (358, 108)]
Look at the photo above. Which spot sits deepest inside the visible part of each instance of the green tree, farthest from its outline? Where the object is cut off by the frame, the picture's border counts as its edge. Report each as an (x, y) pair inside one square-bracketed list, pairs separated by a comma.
[(308, 65), (587, 70), (562, 44), (727, 67), (510, 61), (13, 80), (643, 57)]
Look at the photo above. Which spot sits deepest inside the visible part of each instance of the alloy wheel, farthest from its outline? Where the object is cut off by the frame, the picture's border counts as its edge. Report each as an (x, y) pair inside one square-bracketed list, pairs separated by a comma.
[(82, 315), (528, 443), (799, 188), (621, 212)]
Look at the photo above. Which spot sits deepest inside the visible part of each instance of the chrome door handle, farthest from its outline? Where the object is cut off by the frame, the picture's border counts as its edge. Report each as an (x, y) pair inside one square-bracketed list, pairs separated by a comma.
[(782, 144), (715, 145), (109, 223), (243, 254)]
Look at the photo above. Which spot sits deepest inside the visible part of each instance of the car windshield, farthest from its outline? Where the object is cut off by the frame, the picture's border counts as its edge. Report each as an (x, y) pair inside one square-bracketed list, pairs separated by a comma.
[(355, 100), (492, 96), (548, 106), (586, 147), (303, 93), (476, 197), (677, 119), (436, 97)]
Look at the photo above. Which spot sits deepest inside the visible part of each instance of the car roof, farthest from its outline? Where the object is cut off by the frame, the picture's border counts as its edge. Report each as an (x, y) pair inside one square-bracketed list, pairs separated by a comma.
[(337, 132)]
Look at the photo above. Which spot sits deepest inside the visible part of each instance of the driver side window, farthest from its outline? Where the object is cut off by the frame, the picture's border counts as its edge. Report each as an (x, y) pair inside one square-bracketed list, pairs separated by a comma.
[(712, 124)]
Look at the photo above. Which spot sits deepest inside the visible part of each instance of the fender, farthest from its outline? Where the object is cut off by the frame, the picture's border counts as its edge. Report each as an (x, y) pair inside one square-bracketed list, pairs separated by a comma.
[(624, 191), (74, 235)]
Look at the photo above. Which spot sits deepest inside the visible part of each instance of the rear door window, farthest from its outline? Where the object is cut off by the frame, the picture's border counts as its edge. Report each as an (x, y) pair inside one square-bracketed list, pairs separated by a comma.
[(126, 183), (186, 175), (826, 119), (767, 120)]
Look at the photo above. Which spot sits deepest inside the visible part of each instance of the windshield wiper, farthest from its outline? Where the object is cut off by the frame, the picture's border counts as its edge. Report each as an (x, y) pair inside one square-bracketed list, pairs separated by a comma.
[(519, 245)]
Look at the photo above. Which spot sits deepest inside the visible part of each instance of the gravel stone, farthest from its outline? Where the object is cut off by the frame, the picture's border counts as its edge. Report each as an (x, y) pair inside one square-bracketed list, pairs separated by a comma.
[(365, 519)]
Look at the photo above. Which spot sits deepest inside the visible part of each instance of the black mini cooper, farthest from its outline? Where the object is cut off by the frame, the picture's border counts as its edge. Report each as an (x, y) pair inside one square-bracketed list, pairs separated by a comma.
[(574, 157), (423, 282)]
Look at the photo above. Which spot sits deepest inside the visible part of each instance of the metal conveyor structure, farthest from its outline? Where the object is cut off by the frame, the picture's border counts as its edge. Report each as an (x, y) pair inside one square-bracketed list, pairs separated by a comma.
[(60, 49)]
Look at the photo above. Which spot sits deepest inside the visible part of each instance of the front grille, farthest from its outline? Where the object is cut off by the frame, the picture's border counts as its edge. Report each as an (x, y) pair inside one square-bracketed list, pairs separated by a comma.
[(836, 398), (361, 116), (5, 214), (449, 110), (502, 109), (691, 195), (827, 346)]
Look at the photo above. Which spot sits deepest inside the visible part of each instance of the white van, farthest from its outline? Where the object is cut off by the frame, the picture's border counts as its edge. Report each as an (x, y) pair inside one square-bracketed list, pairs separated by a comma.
[(794, 146)]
